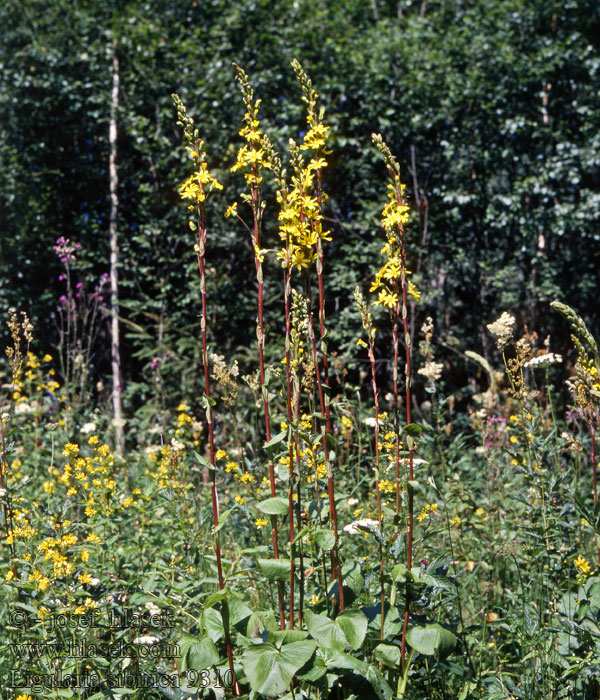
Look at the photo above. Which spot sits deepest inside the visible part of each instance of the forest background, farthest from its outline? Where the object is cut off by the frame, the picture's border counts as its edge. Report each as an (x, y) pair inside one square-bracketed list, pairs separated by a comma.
[(491, 106)]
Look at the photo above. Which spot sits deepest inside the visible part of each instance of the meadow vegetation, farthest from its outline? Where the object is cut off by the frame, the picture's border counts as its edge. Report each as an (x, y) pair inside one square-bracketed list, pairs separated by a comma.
[(309, 524)]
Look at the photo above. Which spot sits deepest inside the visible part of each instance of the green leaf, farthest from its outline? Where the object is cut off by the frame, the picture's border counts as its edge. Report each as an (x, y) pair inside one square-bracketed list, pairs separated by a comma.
[(197, 654), (287, 636), (413, 430), (354, 625), (202, 460), (274, 506), (280, 437), (270, 670), (217, 597), (401, 574), (275, 569), (388, 655), (259, 621), (349, 628), (325, 539), (432, 640)]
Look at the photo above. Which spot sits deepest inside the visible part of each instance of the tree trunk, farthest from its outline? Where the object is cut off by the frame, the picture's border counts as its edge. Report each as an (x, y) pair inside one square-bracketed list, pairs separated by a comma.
[(115, 352)]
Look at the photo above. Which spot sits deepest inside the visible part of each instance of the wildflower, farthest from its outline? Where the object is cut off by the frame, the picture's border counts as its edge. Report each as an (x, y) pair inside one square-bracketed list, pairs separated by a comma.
[(239, 500), (261, 522), (85, 578), (432, 370), (347, 423), (70, 449), (503, 329), (360, 525), (584, 569), (231, 211), (220, 454), (428, 509), (545, 360)]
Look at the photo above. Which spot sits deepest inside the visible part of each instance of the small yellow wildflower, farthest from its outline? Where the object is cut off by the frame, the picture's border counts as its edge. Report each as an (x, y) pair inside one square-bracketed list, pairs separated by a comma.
[(220, 454), (239, 500), (231, 211), (261, 522)]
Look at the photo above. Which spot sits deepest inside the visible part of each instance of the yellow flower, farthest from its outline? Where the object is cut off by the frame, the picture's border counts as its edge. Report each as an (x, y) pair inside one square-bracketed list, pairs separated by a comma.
[(347, 423), (231, 211), (70, 449), (85, 578), (584, 567), (261, 522), (239, 500), (9, 576), (221, 454)]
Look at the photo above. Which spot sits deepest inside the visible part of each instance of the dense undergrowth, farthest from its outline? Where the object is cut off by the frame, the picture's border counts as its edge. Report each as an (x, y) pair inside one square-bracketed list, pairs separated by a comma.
[(292, 533)]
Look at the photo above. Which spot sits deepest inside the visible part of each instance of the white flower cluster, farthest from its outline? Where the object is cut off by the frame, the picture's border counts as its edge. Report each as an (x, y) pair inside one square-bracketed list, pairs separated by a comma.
[(360, 526), (549, 358), (502, 328), (432, 370)]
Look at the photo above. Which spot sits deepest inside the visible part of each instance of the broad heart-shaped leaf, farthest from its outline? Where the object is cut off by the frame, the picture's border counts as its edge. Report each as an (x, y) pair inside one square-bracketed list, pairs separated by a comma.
[(287, 636), (274, 506), (353, 582), (364, 679), (212, 623), (401, 574), (270, 670), (275, 569), (349, 628), (388, 654), (197, 654), (324, 538), (353, 624), (432, 640)]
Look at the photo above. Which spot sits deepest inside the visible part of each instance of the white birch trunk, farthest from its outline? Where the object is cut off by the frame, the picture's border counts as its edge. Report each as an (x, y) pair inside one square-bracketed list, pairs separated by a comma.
[(117, 404)]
